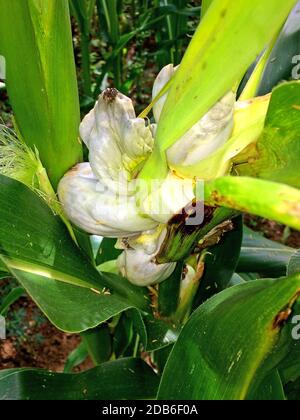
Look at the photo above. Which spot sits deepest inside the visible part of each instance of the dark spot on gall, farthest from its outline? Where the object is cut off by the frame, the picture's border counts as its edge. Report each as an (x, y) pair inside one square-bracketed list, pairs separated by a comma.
[(110, 94)]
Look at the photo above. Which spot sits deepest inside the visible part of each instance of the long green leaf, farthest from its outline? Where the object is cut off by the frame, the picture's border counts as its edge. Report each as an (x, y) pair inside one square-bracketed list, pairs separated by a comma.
[(289, 368), (293, 266), (266, 257), (71, 308), (271, 389), (274, 201), (227, 41), (11, 298), (98, 343), (205, 5), (33, 240), (277, 152), (121, 379), (83, 11), (75, 358), (35, 39), (284, 61), (38, 251), (227, 341)]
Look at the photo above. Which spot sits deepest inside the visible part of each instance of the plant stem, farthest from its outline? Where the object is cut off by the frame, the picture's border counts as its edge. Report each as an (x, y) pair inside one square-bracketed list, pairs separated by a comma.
[(136, 346), (188, 293), (98, 343), (85, 55)]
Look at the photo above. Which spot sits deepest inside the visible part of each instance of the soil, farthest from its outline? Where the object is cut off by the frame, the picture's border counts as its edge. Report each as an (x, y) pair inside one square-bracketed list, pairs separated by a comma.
[(33, 342)]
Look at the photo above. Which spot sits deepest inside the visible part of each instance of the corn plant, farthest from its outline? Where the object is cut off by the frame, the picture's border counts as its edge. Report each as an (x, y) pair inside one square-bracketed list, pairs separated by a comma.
[(122, 24), (141, 248)]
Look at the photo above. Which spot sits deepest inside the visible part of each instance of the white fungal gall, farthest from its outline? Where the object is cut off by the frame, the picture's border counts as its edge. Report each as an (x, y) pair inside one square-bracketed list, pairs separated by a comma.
[(137, 261), (117, 141), (206, 136), (97, 210), (104, 197)]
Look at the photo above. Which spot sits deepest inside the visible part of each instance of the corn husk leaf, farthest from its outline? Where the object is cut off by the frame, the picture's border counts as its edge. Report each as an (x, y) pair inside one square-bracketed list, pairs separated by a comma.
[(277, 153), (36, 40), (227, 41)]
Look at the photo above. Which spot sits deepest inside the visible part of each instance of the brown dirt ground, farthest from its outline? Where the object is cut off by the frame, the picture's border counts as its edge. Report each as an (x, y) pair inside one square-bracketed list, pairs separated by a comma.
[(38, 343)]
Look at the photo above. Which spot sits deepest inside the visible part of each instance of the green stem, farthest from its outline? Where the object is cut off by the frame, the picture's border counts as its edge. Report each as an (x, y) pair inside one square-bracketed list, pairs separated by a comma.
[(136, 346), (188, 294), (253, 83), (85, 55), (117, 71), (98, 343), (156, 167)]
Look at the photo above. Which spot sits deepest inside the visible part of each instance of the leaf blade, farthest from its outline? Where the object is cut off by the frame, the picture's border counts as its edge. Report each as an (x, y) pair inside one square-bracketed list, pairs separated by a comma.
[(222, 364), (121, 379)]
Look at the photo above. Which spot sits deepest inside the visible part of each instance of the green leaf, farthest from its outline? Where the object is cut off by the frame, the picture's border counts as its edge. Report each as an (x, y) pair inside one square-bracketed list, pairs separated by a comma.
[(249, 91), (107, 251), (110, 11), (266, 257), (168, 292), (123, 335), (205, 5), (289, 368), (71, 308), (159, 333), (277, 152), (120, 379), (292, 390), (181, 238), (84, 242), (11, 298), (271, 389), (3, 268), (267, 199), (35, 241), (235, 280), (284, 61), (83, 11), (249, 124), (227, 341), (75, 358), (98, 343), (227, 41), (294, 264), (160, 358), (37, 249), (41, 79)]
